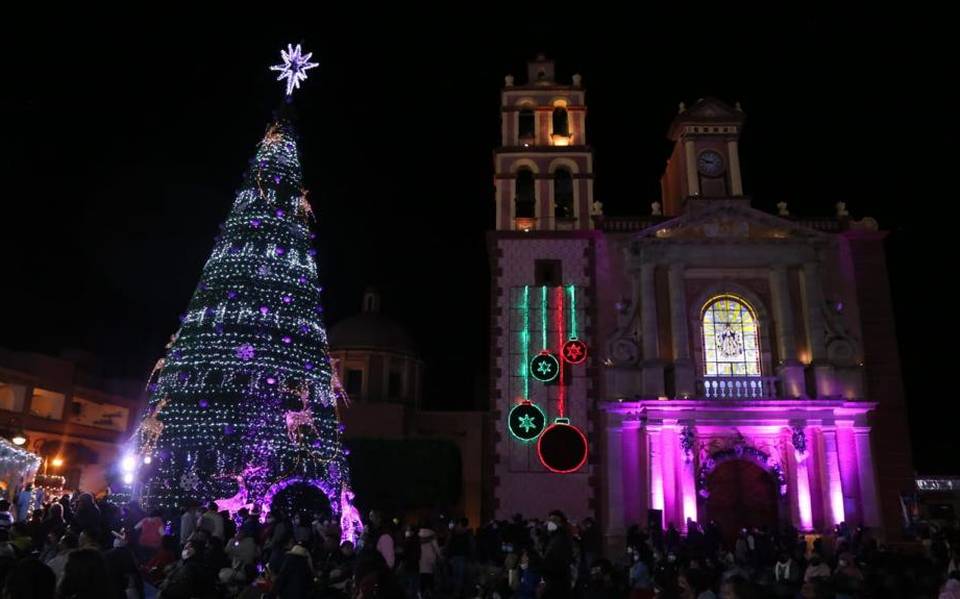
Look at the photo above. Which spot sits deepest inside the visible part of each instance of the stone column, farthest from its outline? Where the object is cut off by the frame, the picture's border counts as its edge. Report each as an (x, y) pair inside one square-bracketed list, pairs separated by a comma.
[(790, 370), (669, 472), (655, 480), (803, 482), (652, 365), (688, 482), (634, 503), (615, 532), (733, 167), (693, 180), (830, 480), (682, 364), (869, 503), (812, 292)]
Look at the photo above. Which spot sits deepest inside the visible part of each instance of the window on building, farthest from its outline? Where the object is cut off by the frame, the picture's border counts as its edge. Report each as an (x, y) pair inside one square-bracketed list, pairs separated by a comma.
[(394, 385), (563, 193), (527, 125), (46, 404), (730, 338), (99, 415), (561, 123), (525, 196), (12, 396), (354, 382), (548, 273)]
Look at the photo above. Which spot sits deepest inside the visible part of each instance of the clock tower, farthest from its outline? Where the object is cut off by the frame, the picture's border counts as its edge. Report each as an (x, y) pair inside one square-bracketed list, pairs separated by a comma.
[(705, 163)]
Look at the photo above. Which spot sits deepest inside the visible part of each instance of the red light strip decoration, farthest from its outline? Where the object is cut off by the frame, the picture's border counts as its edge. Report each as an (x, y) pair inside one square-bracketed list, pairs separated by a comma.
[(562, 392)]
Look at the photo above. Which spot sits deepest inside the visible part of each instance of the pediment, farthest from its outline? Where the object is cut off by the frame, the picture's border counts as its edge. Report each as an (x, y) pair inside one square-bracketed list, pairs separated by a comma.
[(730, 221)]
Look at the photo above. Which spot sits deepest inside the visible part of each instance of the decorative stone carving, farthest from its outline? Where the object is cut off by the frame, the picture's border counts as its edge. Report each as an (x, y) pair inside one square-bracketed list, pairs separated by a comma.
[(842, 346), (596, 209), (577, 80), (842, 210), (656, 209), (782, 209), (508, 81)]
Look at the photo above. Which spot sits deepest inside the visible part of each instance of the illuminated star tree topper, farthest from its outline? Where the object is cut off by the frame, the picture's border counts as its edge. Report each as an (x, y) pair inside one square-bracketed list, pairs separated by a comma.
[(294, 68)]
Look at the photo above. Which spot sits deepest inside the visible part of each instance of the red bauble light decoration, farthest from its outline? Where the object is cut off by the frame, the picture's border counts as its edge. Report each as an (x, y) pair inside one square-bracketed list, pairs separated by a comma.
[(574, 351), (562, 447)]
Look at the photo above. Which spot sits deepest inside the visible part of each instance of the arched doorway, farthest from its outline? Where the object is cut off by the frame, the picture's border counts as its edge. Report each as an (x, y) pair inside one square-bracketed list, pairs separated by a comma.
[(301, 498), (741, 495)]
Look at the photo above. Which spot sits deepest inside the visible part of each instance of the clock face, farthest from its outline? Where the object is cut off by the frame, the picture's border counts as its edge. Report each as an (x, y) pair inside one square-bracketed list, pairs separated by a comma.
[(710, 163)]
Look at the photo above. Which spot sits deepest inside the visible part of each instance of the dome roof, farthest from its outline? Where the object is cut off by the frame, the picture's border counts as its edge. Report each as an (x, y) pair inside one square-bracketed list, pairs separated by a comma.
[(371, 330)]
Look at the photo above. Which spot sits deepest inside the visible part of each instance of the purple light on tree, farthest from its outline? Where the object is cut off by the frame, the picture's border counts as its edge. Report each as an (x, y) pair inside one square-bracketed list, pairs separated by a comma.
[(264, 310), (245, 352)]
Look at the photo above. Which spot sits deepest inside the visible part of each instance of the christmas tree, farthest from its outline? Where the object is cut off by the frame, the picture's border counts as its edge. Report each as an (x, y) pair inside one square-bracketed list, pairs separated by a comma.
[(243, 406)]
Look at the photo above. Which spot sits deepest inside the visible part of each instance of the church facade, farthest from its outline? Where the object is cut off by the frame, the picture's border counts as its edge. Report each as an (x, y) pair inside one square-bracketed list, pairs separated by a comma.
[(740, 366)]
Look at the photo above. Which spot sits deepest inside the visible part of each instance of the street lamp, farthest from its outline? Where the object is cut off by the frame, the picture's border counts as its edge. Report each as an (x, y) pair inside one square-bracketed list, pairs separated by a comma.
[(19, 438), (56, 462)]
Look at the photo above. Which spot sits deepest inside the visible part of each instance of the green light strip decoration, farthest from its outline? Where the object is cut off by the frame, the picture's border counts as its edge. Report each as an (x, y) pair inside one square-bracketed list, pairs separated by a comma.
[(525, 342), (543, 316)]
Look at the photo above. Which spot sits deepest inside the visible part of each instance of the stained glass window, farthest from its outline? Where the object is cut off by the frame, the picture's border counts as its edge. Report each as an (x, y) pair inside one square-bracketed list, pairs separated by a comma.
[(730, 343)]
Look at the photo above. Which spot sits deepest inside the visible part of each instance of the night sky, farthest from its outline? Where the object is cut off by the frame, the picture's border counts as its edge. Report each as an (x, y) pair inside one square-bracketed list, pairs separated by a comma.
[(122, 156)]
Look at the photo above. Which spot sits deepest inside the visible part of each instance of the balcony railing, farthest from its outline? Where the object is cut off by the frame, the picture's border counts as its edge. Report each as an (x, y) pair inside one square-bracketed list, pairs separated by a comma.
[(737, 387)]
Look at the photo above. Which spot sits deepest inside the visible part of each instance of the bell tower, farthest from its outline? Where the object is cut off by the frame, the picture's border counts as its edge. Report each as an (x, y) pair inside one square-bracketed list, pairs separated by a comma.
[(543, 169), (705, 163)]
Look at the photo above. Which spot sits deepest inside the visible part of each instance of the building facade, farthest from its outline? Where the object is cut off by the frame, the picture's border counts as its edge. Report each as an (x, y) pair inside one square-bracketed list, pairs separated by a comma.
[(741, 366), (381, 371), (75, 421)]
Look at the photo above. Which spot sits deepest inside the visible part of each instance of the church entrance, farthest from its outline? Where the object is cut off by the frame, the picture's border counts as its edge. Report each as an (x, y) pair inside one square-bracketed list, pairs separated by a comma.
[(742, 495)]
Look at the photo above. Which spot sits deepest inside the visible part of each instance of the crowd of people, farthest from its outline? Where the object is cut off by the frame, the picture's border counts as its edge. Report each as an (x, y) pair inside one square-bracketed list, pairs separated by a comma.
[(77, 547)]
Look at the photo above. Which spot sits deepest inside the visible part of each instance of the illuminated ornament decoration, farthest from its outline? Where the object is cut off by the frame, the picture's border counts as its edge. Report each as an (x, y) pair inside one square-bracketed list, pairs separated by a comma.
[(544, 367), (574, 351), (526, 421), (190, 481), (562, 448), (245, 352), (294, 68)]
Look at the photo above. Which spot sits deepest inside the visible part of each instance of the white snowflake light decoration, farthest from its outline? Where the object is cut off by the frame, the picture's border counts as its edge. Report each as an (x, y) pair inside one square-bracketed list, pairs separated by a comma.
[(294, 68)]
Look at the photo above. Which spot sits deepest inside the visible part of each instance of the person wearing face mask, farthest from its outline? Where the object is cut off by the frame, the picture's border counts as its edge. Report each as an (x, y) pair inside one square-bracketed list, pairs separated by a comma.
[(527, 581), (640, 582), (557, 557), (816, 569), (190, 577)]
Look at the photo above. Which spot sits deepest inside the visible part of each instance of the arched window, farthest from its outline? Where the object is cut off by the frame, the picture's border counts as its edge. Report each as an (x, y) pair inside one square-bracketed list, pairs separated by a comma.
[(526, 128), (561, 124), (563, 193), (525, 197), (730, 338)]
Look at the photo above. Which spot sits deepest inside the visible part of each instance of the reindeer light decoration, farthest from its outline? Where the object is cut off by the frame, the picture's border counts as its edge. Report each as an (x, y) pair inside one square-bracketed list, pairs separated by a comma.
[(300, 418), (151, 428)]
